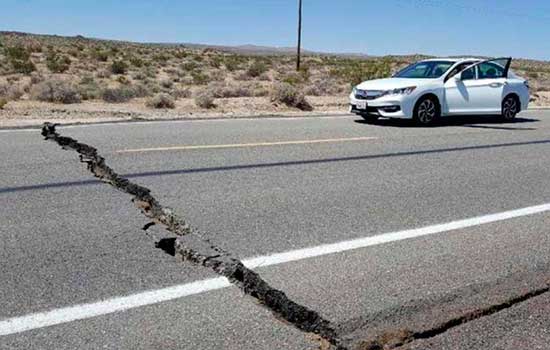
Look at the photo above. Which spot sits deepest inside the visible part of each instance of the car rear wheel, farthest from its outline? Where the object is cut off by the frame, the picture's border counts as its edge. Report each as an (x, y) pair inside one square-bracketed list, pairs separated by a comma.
[(510, 108), (369, 118), (426, 111)]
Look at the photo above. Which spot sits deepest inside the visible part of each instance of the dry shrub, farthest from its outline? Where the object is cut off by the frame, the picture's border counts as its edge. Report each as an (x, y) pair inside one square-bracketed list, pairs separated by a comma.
[(264, 77), (224, 90), (243, 76), (166, 83), (139, 76), (171, 71), (239, 91), (178, 93), (10, 92), (89, 88), (292, 78), (118, 95), (290, 96), (323, 87), (256, 69), (3, 103), (205, 99), (103, 74), (150, 72), (119, 67), (161, 101), (25, 88), (136, 61), (36, 78), (100, 55), (20, 59), (217, 89), (56, 91), (541, 85), (218, 75), (261, 92), (141, 90), (200, 78), (123, 80), (57, 63)]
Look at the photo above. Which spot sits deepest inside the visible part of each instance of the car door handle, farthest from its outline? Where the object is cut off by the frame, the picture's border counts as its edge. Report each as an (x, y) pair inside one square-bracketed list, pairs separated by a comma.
[(496, 85)]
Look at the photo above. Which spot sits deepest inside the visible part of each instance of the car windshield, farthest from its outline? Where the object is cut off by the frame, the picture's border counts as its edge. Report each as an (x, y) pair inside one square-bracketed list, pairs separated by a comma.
[(425, 70)]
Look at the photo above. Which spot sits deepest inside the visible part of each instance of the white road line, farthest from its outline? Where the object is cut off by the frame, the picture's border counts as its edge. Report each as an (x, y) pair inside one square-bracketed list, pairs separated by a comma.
[(116, 304), (5, 131), (84, 311), (247, 145)]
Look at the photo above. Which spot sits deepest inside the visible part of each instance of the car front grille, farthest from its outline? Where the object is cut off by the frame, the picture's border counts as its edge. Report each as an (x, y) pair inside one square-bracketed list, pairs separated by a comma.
[(368, 94)]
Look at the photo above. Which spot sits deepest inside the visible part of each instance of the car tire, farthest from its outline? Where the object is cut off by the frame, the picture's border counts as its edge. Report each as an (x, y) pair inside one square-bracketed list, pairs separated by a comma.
[(370, 119), (510, 108), (426, 111)]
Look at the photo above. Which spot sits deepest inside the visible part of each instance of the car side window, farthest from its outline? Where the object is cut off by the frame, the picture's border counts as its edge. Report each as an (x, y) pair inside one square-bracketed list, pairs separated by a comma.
[(490, 70), (469, 74), (458, 69)]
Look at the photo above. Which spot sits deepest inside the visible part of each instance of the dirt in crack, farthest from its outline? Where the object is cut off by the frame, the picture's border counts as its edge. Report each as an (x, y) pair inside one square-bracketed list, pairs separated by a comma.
[(192, 247), (394, 339)]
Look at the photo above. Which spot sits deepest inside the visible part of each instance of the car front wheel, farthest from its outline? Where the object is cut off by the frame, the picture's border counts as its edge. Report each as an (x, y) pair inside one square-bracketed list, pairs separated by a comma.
[(510, 108), (426, 111)]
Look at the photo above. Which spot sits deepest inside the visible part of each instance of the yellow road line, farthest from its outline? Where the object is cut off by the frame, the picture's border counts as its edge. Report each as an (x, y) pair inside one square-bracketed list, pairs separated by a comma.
[(243, 145)]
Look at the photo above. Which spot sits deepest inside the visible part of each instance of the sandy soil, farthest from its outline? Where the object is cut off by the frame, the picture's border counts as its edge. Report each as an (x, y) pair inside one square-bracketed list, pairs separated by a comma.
[(32, 113), (541, 99)]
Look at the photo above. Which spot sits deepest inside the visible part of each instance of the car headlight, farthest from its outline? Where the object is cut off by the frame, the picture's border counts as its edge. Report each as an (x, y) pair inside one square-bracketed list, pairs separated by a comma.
[(401, 91)]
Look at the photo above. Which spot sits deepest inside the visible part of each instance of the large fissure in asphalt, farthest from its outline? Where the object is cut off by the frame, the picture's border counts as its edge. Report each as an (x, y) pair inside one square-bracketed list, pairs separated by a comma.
[(192, 247), (440, 316)]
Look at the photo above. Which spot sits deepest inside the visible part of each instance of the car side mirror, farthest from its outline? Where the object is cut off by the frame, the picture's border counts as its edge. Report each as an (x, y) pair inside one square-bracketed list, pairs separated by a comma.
[(458, 77)]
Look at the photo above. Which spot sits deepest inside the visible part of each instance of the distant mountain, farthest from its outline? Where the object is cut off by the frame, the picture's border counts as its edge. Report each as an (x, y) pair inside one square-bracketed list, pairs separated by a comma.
[(247, 49)]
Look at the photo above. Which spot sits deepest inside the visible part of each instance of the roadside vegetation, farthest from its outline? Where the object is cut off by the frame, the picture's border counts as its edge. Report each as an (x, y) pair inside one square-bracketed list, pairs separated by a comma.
[(70, 70)]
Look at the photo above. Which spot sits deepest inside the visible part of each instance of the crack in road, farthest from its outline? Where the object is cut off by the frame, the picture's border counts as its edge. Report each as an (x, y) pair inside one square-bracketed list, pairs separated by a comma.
[(191, 246), (398, 337)]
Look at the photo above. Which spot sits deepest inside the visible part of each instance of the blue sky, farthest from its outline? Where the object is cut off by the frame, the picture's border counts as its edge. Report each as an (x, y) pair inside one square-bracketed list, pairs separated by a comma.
[(440, 27)]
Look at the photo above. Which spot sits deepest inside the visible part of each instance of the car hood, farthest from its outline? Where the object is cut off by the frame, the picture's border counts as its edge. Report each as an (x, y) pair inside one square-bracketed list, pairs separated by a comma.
[(392, 83)]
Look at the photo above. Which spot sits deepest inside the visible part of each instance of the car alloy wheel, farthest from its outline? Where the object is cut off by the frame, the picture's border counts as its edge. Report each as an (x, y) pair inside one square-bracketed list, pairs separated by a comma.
[(427, 111), (509, 108)]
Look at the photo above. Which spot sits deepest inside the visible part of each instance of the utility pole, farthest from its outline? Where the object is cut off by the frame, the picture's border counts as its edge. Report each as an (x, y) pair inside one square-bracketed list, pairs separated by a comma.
[(299, 34)]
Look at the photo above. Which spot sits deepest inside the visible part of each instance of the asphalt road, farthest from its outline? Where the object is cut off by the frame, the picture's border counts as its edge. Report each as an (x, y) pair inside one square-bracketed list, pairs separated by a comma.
[(262, 186)]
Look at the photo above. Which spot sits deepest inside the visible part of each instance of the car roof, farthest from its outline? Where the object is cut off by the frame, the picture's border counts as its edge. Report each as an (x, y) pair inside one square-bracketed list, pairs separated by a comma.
[(453, 59)]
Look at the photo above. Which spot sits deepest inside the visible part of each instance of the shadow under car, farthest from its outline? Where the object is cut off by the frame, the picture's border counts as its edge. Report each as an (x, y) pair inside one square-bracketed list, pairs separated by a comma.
[(471, 121)]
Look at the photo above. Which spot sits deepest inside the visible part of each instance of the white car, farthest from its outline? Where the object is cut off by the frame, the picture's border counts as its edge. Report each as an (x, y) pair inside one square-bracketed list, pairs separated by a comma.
[(433, 88)]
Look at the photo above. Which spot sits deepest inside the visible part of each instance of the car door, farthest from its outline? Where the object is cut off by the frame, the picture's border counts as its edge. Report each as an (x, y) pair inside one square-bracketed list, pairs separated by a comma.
[(457, 98), (480, 88)]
